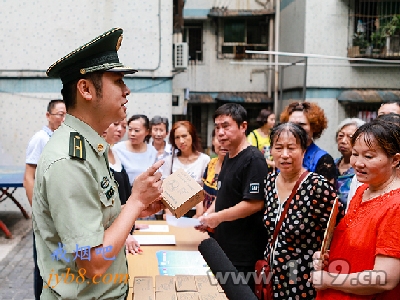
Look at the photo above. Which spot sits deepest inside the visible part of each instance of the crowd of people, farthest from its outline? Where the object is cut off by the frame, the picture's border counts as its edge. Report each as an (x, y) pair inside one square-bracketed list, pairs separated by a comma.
[(256, 180)]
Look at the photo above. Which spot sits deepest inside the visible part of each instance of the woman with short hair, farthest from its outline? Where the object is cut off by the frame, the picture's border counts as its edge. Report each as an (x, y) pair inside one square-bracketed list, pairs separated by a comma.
[(308, 211), (364, 258), (159, 127), (312, 119), (345, 171)]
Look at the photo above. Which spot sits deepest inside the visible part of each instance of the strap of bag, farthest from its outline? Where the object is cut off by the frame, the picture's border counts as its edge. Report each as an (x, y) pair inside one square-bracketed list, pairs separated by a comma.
[(283, 214), (255, 136)]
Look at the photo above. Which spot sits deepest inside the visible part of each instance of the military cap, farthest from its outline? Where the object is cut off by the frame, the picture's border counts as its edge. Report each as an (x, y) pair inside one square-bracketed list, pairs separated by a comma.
[(100, 54)]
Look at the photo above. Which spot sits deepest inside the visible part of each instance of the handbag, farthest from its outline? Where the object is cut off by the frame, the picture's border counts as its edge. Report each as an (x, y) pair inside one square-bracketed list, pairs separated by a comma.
[(263, 286)]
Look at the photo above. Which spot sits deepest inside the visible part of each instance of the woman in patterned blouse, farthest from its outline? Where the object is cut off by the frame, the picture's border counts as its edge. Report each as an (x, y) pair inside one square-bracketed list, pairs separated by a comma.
[(303, 227)]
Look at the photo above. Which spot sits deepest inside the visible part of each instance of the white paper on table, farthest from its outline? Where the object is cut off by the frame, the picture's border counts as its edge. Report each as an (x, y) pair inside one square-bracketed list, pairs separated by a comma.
[(155, 228), (155, 239), (182, 222)]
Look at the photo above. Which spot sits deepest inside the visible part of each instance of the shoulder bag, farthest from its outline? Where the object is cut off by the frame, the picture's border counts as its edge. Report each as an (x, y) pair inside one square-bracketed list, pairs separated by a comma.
[(263, 287)]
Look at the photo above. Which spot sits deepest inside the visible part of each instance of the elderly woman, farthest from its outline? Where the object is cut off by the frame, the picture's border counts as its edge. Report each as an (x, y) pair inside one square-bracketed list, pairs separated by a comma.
[(313, 120), (364, 257), (303, 226), (345, 171)]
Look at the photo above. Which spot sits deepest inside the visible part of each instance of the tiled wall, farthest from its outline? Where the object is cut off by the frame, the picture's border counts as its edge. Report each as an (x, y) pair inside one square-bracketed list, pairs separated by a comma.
[(40, 32), (34, 35)]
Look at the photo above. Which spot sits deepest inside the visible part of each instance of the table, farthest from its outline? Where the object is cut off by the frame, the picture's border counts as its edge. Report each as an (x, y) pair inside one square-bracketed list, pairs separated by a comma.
[(11, 178), (187, 239)]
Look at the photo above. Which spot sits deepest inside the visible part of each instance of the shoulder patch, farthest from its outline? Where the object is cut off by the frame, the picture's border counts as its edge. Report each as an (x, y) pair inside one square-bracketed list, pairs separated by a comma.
[(254, 188), (77, 146)]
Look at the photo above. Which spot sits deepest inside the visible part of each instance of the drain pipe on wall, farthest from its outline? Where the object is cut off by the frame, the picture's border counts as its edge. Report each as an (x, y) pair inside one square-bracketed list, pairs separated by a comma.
[(270, 47), (276, 81)]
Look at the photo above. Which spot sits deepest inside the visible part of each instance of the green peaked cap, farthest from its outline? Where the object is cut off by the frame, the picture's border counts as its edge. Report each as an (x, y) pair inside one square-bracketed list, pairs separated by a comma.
[(100, 54)]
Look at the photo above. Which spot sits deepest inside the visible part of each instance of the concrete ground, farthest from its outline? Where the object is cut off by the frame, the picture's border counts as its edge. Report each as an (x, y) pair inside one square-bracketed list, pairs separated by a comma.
[(16, 261)]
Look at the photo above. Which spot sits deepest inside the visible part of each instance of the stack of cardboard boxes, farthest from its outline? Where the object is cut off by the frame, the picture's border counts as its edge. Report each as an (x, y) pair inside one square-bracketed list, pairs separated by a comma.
[(179, 287)]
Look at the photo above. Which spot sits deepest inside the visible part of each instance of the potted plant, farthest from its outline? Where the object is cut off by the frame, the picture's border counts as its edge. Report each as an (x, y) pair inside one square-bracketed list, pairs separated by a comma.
[(359, 40), (378, 41), (391, 30)]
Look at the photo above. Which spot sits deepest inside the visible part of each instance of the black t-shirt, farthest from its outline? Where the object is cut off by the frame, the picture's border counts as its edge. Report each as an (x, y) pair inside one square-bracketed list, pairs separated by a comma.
[(242, 178), (326, 167)]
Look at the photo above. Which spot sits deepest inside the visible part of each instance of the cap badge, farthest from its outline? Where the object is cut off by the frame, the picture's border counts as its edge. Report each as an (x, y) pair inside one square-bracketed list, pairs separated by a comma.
[(118, 43)]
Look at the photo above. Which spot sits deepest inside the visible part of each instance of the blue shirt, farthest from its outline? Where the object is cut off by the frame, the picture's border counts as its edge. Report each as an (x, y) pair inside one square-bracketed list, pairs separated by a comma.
[(133, 162)]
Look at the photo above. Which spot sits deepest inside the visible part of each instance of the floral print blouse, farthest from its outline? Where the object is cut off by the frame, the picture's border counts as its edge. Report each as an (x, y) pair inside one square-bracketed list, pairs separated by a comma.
[(300, 236)]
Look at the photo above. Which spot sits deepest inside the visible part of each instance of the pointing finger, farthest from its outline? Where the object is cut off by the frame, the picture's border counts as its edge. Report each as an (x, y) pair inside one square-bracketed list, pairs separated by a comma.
[(150, 171)]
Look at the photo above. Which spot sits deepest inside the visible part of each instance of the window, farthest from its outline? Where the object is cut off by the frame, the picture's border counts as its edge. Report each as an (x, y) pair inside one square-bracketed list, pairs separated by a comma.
[(175, 100), (193, 35), (240, 34), (375, 29)]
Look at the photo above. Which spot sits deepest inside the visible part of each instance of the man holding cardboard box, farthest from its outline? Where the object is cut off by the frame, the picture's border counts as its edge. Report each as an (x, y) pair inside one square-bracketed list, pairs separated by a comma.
[(80, 228), (236, 214)]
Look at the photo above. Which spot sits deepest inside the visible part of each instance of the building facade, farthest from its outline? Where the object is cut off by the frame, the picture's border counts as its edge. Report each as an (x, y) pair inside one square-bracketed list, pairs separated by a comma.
[(343, 88), (34, 34), (219, 32)]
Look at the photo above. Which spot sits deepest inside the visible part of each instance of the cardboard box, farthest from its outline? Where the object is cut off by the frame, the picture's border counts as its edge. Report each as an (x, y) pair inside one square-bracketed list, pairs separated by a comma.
[(165, 283), (143, 284), (185, 283), (188, 296), (181, 192), (143, 295), (210, 296), (205, 284), (166, 295)]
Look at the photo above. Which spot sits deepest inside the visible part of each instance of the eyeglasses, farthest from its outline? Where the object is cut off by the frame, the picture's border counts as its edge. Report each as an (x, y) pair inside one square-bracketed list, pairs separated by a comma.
[(59, 115)]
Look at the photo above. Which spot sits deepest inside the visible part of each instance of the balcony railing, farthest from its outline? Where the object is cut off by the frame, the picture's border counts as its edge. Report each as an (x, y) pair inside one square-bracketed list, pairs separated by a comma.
[(375, 29)]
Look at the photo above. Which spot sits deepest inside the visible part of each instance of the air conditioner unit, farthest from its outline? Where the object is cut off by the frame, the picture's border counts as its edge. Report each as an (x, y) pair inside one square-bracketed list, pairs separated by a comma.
[(180, 55)]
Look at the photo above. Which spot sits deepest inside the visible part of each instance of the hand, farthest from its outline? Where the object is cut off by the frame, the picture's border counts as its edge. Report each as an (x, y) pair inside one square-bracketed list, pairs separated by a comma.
[(132, 246), (201, 228), (147, 187), (152, 209), (210, 220), (141, 226), (320, 263), (319, 278)]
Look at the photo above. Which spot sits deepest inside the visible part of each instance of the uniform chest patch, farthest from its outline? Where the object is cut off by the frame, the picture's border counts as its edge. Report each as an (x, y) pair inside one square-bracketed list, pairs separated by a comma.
[(105, 182)]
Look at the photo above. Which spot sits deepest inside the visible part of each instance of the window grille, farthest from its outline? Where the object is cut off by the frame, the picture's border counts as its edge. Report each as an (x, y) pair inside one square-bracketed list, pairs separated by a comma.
[(240, 34), (375, 29), (193, 35)]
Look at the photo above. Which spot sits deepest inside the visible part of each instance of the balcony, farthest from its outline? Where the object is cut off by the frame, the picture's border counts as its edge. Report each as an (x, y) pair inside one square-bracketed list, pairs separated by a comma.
[(375, 30)]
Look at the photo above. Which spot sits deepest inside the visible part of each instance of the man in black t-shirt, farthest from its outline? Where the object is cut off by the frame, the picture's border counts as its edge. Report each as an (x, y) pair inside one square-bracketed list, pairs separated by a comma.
[(237, 212)]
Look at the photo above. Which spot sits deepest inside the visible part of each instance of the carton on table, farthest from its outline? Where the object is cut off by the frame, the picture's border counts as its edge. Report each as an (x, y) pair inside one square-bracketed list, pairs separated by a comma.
[(142, 284), (185, 283), (165, 283), (181, 192), (166, 295)]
